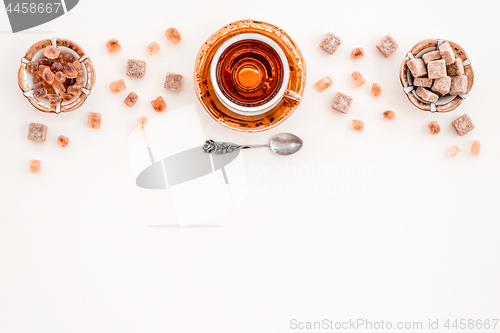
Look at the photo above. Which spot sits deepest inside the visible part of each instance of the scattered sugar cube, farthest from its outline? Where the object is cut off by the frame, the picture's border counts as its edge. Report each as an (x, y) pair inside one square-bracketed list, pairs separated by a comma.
[(357, 79), (94, 120), (39, 91), (173, 82), (417, 67), (113, 46), (341, 102), (475, 148), (117, 86), (434, 127), (442, 86), (389, 115), (32, 67), (436, 69), (131, 99), (426, 95), (431, 56), (173, 35), (447, 53), (376, 90), (324, 83), (456, 68), (75, 89), (37, 132), (387, 46), (463, 125), (159, 104), (136, 68), (458, 85), (34, 166), (51, 52), (70, 71), (357, 53), (423, 82), (330, 43), (358, 125), (453, 151), (48, 76), (62, 141), (54, 99), (141, 123), (153, 49)]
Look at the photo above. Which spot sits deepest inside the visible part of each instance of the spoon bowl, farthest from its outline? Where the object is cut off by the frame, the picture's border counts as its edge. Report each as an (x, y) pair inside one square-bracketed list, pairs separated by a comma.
[(285, 144)]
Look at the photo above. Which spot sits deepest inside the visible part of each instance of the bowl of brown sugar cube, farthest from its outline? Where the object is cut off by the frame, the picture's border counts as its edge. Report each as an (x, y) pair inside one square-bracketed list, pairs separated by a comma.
[(436, 75), (56, 75)]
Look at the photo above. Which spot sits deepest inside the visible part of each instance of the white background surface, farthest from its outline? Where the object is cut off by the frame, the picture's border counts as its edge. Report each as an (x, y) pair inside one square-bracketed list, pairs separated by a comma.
[(379, 225)]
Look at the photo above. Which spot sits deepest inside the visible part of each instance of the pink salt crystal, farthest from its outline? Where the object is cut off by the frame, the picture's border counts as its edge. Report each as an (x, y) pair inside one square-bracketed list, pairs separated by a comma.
[(152, 49), (441, 86), (70, 71), (417, 67), (387, 46), (75, 89), (357, 79), (58, 87), (141, 123), (80, 78), (131, 99), (389, 115), (376, 90), (357, 53), (173, 35), (322, 84), (32, 67), (37, 132), (77, 65), (173, 82), (67, 97), (60, 77), (117, 86), (436, 69), (426, 95), (39, 91), (34, 166), (56, 67), (51, 52), (62, 141), (341, 102), (113, 46), (94, 120), (330, 43), (453, 151), (447, 53), (54, 99), (136, 68), (458, 85), (463, 125), (46, 62), (434, 127), (431, 56), (48, 76), (475, 148), (358, 125), (159, 104), (456, 68), (423, 82)]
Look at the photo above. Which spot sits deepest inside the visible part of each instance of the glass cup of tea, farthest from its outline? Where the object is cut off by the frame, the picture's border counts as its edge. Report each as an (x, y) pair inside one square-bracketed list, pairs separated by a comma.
[(250, 74)]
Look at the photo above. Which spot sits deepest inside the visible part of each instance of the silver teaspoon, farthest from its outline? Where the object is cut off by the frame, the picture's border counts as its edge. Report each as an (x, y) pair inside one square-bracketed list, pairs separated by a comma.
[(281, 144)]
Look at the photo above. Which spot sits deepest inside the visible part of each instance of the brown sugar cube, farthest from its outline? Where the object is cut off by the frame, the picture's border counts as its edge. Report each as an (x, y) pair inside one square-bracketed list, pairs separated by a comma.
[(376, 90), (136, 68), (173, 82), (323, 83), (32, 67), (70, 71), (431, 56), (41, 68), (436, 69), (389, 115), (56, 67), (434, 127), (152, 49), (75, 89), (426, 95), (67, 97), (141, 123), (453, 151), (463, 125), (417, 67), (39, 91), (60, 77), (173, 35), (46, 62), (358, 125), (341, 102), (442, 86), (113, 46), (387, 46), (357, 53), (458, 85), (34, 166), (37, 132), (54, 99), (117, 86), (159, 104), (357, 79), (48, 87), (62, 141), (58, 87), (48, 76), (51, 52), (475, 148), (94, 120), (37, 79), (456, 68), (131, 99), (330, 43), (69, 58), (447, 53), (423, 82), (77, 65), (80, 78)]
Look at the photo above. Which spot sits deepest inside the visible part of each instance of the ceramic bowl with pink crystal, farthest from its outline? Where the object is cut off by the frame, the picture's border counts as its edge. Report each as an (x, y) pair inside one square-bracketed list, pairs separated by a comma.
[(66, 47)]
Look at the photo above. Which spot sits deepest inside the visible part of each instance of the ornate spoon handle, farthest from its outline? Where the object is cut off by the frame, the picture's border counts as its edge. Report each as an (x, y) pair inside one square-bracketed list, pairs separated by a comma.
[(221, 148)]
